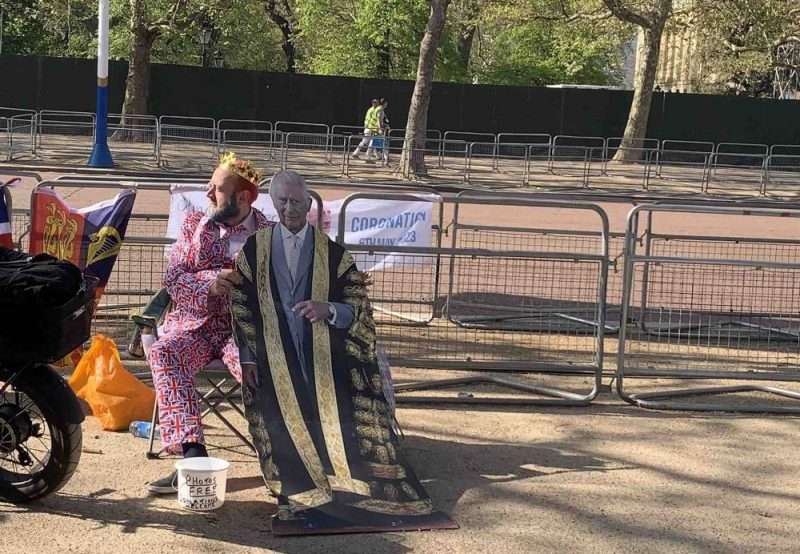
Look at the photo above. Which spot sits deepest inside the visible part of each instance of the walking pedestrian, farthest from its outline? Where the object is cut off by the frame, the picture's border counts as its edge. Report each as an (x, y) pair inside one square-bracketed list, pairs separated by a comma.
[(371, 128)]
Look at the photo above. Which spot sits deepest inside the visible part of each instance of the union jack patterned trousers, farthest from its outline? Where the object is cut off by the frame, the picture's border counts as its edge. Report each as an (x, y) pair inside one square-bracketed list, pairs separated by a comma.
[(175, 358)]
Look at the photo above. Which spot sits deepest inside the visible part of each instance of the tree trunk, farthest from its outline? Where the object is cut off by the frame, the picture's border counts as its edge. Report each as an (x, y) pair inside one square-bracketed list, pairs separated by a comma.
[(412, 161), (288, 50), (384, 66), (285, 26), (137, 86), (137, 89), (464, 46), (466, 34), (646, 66)]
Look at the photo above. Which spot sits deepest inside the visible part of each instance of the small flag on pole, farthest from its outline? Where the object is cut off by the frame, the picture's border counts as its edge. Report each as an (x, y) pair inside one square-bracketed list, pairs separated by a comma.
[(90, 237)]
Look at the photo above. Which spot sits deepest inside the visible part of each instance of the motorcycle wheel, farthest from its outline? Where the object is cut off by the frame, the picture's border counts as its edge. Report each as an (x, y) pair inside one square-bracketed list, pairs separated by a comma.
[(39, 448)]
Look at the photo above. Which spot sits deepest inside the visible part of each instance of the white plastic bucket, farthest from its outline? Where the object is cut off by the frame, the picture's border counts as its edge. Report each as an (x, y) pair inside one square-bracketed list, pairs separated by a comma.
[(201, 483)]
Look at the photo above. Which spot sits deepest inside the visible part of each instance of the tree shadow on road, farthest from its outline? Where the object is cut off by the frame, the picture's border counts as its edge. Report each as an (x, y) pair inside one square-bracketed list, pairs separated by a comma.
[(240, 523), (450, 469)]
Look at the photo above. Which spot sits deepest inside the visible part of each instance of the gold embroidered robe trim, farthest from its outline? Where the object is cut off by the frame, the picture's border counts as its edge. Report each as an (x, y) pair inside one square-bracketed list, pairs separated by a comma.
[(279, 370), (344, 265), (310, 499), (386, 471), (244, 267), (323, 377), (412, 508)]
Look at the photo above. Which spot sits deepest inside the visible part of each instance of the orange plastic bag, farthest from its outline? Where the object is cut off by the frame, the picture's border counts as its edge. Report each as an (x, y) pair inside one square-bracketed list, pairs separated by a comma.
[(115, 396)]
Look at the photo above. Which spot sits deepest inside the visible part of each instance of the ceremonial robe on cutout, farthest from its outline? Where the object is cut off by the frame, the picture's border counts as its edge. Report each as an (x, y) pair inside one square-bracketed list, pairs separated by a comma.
[(316, 408)]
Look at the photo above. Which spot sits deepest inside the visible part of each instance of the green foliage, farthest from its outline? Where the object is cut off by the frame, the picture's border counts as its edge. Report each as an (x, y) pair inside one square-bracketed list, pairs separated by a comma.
[(541, 42), (737, 41), (247, 40), (54, 28), (538, 53), (360, 38), (369, 38)]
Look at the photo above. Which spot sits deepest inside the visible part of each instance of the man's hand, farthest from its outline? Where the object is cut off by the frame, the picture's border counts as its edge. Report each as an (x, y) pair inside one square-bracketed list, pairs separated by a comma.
[(313, 311), (225, 281)]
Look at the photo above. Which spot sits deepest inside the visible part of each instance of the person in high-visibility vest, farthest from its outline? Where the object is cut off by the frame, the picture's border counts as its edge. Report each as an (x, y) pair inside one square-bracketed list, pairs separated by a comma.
[(383, 149), (372, 126)]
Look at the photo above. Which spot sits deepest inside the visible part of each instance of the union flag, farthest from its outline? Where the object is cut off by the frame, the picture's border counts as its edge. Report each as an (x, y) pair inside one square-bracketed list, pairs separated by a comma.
[(5, 221)]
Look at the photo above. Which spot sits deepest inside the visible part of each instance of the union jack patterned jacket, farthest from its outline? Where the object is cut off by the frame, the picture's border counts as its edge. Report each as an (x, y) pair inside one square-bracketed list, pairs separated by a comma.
[(195, 260)]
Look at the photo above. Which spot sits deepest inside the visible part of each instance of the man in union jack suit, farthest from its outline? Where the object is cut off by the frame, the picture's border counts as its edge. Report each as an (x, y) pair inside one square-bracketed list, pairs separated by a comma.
[(198, 329)]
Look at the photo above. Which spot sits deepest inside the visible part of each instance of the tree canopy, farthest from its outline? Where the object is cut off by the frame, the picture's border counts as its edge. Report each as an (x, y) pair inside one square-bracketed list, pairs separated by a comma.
[(514, 42), (364, 38)]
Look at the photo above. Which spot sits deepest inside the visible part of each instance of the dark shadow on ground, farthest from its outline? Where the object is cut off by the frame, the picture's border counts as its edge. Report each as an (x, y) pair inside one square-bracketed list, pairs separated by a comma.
[(237, 484), (449, 469), (242, 523)]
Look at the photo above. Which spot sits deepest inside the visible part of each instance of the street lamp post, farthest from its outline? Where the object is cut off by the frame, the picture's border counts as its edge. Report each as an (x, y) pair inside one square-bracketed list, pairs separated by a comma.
[(206, 34), (219, 59)]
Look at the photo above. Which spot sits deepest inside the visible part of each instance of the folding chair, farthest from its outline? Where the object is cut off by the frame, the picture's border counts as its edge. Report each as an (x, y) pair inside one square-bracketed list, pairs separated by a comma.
[(215, 374)]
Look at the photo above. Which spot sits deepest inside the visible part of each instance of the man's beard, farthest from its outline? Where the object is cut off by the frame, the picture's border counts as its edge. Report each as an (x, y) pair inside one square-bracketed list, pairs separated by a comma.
[(227, 211)]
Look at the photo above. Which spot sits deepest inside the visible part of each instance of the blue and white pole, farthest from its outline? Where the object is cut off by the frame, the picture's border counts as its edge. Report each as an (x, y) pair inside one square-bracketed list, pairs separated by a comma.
[(101, 155)]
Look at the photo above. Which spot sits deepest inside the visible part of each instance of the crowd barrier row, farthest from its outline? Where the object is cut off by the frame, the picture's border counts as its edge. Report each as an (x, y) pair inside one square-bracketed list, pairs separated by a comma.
[(502, 297), (179, 142)]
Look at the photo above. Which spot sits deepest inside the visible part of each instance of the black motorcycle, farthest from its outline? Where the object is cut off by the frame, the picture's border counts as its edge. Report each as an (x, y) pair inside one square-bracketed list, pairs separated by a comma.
[(46, 309)]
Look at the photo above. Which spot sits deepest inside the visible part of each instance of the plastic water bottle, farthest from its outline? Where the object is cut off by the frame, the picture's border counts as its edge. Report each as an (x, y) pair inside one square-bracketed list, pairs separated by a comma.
[(141, 429)]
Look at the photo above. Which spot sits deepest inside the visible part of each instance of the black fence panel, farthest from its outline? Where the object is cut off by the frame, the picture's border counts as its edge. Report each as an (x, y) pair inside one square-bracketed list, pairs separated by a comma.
[(69, 84)]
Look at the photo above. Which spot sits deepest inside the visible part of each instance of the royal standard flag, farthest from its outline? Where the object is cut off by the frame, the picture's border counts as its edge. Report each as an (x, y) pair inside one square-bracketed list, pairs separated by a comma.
[(91, 237)]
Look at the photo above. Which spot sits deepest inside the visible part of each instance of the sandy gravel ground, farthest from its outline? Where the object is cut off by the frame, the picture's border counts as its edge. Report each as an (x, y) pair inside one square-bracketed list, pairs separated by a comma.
[(609, 478)]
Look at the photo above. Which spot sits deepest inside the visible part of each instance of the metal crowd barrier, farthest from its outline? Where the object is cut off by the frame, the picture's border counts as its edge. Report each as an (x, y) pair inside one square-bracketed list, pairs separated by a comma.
[(64, 132), (486, 163), (469, 136), (372, 158), (538, 144), (714, 308), (489, 304), (452, 153), (133, 137), (452, 141), (20, 227), (347, 130), (741, 148), (308, 152), (17, 132), (574, 156), (505, 297), (433, 135), (685, 161), (643, 151), (187, 142), (303, 127), (442, 162), (782, 171), (249, 138), (738, 164), (193, 143)]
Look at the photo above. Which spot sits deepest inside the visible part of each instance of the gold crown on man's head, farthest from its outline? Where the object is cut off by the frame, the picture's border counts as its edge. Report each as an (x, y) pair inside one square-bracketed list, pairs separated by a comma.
[(240, 167)]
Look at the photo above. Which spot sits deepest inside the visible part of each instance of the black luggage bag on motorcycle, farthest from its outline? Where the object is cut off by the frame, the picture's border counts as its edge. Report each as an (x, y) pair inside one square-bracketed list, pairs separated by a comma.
[(46, 307), (45, 312)]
